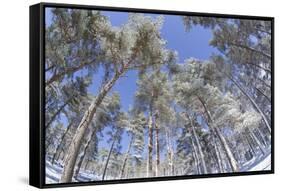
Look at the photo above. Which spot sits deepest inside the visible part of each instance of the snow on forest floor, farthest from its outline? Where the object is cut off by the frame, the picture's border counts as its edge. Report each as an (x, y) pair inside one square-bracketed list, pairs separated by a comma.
[(262, 162), (265, 164), (53, 172)]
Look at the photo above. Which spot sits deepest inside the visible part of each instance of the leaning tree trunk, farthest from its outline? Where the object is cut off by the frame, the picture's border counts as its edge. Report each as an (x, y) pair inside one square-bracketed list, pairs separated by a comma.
[(257, 141), (170, 153), (268, 56), (81, 159), (251, 100), (201, 154), (262, 136), (157, 167), (195, 156), (67, 71), (83, 126), (61, 142), (126, 158), (229, 154), (250, 144), (150, 144), (218, 155), (56, 114), (108, 158)]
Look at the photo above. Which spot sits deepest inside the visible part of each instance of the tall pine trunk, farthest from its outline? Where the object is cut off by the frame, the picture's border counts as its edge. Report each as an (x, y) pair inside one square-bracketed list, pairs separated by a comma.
[(84, 152), (61, 142), (126, 157), (108, 157), (56, 114), (170, 153), (150, 144), (83, 126), (157, 167), (218, 155), (257, 141), (200, 152), (250, 144), (195, 156), (229, 154)]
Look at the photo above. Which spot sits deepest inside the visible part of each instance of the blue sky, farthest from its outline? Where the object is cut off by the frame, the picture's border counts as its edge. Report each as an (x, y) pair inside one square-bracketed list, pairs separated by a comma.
[(194, 43)]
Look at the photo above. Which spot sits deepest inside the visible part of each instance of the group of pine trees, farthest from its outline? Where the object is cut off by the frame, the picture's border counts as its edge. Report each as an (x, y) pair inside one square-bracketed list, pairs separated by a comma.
[(196, 117)]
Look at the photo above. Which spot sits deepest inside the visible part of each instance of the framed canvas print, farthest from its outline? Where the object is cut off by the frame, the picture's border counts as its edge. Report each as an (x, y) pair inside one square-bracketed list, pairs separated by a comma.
[(122, 95)]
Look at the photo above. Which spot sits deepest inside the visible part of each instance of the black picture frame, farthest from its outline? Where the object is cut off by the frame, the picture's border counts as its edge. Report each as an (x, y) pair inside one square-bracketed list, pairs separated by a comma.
[(37, 93)]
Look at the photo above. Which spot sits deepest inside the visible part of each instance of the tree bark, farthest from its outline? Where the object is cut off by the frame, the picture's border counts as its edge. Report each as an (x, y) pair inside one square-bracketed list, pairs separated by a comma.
[(268, 99), (233, 162), (78, 137), (250, 49), (157, 167), (108, 158), (195, 156), (150, 144), (170, 171), (56, 114), (250, 144), (81, 159), (126, 157), (257, 141), (229, 154), (69, 70), (201, 154), (61, 141), (218, 155), (262, 136)]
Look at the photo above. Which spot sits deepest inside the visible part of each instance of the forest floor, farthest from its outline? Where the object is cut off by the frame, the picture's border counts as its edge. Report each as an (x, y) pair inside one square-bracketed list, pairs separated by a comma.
[(53, 172), (261, 162)]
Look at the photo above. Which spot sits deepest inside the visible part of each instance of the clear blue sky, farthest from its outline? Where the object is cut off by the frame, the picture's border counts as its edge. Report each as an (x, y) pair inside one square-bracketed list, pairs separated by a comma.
[(194, 43)]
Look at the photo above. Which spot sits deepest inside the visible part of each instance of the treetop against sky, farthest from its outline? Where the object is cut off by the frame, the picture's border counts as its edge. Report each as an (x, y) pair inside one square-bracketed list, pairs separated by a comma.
[(194, 44)]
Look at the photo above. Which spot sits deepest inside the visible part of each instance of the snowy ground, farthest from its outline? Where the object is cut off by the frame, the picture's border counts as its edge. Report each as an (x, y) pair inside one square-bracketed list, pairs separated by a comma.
[(53, 172), (265, 164), (262, 162)]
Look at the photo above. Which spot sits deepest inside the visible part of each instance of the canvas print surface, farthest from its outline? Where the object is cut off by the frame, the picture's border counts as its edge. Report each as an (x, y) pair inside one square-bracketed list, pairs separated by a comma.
[(131, 95)]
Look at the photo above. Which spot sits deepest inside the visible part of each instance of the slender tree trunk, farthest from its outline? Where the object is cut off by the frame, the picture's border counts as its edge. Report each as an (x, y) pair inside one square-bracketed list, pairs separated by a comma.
[(262, 136), (150, 144), (56, 114), (233, 162), (126, 157), (84, 152), (251, 49), (263, 94), (201, 154), (61, 141), (218, 156), (250, 144), (169, 152), (257, 141), (252, 101), (108, 158), (264, 83), (229, 154), (258, 66), (86, 165), (80, 132), (195, 156), (69, 70), (157, 168)]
